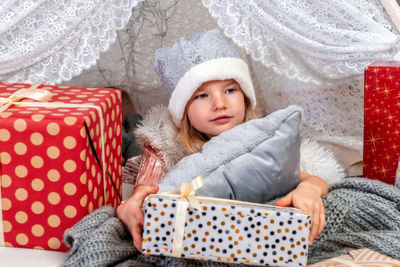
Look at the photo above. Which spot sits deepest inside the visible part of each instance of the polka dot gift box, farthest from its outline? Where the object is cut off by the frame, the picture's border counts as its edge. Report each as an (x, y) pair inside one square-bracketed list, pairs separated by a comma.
[(60, 158), (225, 231)]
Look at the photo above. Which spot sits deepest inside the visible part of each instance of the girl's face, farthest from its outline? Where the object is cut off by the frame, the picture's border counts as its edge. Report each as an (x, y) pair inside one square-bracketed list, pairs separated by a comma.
[(216, 106)]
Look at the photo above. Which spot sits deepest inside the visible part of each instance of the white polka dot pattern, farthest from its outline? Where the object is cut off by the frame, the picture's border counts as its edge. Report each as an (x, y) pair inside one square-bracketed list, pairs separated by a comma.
[(49, 175), (235, 233)]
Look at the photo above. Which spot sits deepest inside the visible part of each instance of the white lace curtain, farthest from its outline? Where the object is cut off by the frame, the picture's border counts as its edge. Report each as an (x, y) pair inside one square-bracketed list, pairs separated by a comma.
[(310, 40), (54, 40)]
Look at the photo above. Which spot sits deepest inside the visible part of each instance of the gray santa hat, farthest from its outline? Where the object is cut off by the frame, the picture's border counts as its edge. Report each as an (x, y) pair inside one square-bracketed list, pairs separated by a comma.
[(194, 60)]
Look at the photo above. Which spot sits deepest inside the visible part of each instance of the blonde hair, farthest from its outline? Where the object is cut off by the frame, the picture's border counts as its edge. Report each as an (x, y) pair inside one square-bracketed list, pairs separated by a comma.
[(193, 139)]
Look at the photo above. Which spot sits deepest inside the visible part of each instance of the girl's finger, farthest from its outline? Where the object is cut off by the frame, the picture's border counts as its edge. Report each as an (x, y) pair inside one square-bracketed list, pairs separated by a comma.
[(139, 216), (137, 238), (285, 201), (322, 220), (145, 190), (314, 225)]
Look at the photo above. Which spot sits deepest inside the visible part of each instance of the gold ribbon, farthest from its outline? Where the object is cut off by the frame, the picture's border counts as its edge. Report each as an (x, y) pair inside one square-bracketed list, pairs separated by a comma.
[(31, 93), (44, 96), (186, 196)]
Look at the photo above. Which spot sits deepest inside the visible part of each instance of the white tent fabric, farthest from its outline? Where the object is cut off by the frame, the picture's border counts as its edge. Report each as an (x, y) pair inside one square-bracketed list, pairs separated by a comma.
[(54, 40), (310, 40)]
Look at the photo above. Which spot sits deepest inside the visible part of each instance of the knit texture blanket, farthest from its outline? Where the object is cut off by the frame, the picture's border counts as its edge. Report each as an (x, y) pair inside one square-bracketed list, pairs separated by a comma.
[(359, 213)]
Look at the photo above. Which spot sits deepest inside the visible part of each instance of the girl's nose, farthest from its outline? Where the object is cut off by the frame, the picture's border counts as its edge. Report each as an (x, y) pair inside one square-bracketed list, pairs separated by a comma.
[(219, 102)]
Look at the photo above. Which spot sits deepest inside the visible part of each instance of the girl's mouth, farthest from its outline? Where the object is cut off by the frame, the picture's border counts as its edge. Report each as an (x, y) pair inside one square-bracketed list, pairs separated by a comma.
[(221, 119)]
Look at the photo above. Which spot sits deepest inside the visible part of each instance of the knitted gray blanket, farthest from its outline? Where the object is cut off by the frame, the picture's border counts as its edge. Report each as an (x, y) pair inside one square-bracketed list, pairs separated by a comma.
[(359, 213)]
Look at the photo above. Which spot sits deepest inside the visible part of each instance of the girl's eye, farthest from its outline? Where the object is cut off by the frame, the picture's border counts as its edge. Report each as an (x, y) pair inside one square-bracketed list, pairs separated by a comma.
[(201, 96), (231, 90)]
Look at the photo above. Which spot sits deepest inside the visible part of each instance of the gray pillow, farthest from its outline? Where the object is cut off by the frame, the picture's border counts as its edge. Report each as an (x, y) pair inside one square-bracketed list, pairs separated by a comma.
[(255, 161)]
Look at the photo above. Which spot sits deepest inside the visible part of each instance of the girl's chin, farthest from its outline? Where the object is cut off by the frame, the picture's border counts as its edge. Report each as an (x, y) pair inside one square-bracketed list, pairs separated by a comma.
[(219, 131)]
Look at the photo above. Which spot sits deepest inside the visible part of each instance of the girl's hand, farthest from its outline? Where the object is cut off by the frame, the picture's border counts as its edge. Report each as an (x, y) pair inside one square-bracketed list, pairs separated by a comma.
[(307, 197), (131, 214)]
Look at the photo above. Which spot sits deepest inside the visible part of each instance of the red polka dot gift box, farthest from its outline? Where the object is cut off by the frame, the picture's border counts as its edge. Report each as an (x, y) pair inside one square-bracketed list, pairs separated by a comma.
[(221, 230), (60, 159), (381, 121)]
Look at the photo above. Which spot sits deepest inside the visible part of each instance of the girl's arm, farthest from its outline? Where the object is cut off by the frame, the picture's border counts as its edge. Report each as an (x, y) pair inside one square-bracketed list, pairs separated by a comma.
[(315, 181), (307, 197), (152, 169)]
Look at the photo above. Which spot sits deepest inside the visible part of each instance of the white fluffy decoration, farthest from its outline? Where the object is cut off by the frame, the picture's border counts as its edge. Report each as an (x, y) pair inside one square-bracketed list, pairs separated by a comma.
[(215, 69), (319, 161)]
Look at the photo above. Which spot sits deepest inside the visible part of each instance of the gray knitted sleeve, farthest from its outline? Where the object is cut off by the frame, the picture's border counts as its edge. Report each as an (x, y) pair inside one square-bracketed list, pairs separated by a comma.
[(99, 239)]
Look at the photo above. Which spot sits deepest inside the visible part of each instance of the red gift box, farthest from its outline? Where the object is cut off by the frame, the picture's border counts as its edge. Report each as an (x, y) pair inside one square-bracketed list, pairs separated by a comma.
[(381, 121), (52, 159)]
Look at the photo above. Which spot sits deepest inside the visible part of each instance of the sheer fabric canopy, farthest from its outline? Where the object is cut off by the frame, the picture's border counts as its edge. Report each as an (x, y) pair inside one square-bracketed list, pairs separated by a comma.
[(310, 40), (54, 40)]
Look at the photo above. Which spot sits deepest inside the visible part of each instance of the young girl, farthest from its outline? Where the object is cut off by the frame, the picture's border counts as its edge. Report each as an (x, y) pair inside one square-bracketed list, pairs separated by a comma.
[(210, 92)]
